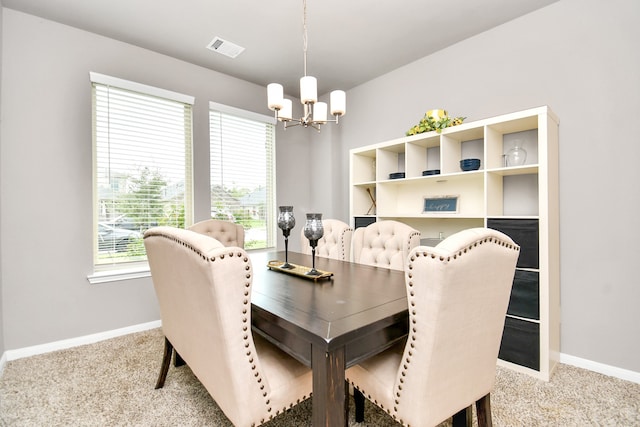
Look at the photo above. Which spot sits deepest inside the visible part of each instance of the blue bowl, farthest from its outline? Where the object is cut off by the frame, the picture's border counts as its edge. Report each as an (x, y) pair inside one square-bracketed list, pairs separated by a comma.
[(469, 164), (431, 172)]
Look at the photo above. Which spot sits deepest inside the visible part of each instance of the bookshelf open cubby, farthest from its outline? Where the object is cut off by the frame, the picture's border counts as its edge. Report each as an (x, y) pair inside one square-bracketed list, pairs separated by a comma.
[(519, 200)]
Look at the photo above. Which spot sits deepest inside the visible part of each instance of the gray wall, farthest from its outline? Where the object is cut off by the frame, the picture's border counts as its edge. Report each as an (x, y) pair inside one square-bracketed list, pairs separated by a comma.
[(576, 56), (46, 174), (581, 58)]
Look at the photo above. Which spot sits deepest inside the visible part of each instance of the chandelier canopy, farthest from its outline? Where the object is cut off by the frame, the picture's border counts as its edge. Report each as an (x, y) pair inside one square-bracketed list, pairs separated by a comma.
[(308, 96)]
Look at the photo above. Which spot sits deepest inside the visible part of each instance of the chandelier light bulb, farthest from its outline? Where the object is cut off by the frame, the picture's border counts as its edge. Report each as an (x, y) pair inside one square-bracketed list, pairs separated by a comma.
[(275, 96), (320, 112), (338, 103), (308, 90), (286, 113)]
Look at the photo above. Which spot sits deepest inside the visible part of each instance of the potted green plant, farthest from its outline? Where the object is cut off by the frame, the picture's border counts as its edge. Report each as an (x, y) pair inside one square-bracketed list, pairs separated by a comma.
[(434, 120)]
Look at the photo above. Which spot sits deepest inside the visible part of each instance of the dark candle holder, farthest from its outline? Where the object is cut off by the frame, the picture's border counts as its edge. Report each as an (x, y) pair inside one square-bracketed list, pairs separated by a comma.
[(286, 222), (313, 230)]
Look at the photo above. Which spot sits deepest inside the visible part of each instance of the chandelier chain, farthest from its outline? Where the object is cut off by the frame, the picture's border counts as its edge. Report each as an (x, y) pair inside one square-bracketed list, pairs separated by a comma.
[(304, 34)]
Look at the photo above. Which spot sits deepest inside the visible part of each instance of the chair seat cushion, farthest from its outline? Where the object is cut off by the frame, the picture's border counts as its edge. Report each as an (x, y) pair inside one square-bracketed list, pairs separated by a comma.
[(287, 376), (377, 374)]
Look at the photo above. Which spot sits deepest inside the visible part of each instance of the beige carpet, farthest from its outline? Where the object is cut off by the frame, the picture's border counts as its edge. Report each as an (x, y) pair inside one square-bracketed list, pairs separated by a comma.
[(111, 384)]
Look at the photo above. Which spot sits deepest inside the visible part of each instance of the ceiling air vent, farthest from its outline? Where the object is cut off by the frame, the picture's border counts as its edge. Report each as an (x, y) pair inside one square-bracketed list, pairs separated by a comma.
[(225, 47)]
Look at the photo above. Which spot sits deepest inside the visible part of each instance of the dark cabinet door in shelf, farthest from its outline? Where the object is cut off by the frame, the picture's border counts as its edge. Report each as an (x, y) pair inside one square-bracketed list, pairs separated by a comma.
[(525, 295), (521, 343), (525, 233), (363, 221)]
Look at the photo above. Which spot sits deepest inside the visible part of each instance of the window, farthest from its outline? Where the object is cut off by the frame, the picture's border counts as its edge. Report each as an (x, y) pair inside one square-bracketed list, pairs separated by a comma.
[(142, 167), (242, 151)]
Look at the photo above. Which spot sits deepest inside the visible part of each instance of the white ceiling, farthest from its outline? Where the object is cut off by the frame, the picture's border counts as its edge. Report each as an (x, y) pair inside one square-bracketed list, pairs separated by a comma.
[(349, 41)]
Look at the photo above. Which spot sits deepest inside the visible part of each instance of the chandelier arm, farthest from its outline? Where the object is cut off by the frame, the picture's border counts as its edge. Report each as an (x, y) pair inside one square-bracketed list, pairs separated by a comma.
[(326, 121), (292, 123), (307, 123), (307, 113)]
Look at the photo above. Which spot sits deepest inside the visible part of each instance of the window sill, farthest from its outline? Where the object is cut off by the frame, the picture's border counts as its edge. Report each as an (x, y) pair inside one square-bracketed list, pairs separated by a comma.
[(119, 275), (138, 272)]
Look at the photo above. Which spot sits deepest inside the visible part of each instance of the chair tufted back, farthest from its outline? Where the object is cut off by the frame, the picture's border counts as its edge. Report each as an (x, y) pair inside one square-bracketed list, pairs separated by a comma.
[(204, 292), (458, 294), (384, 244), (335, 243), (226, 232)]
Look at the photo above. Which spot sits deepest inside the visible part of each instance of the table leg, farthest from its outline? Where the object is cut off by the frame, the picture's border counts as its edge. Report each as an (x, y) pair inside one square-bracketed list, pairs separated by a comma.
[(330, 406)]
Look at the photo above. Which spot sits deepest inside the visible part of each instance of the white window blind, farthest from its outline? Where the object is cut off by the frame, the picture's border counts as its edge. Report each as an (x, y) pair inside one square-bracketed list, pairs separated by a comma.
[(142, 166), (242, 156)]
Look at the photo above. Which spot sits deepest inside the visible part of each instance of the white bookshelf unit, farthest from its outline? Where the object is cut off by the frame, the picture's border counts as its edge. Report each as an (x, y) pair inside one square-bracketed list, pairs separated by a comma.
[(521, 201)]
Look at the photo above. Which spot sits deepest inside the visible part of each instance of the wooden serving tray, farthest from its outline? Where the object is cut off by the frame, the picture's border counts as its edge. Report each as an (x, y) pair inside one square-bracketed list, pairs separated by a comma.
[(298, 270)]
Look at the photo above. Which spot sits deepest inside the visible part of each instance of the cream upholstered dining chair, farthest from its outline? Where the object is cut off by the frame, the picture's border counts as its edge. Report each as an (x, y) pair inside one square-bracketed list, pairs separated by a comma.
[(204, 291), (458, 294), (335, 243), (226, 232), (384, 244)]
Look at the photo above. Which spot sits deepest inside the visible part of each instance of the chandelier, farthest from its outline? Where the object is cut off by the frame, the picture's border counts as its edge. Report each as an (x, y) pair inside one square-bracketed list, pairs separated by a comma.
[(308, 96)]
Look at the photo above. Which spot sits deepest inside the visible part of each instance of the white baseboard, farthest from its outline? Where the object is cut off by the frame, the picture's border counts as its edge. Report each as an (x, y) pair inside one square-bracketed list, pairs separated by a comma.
[(74, 342), (3, 361), (612, 371)]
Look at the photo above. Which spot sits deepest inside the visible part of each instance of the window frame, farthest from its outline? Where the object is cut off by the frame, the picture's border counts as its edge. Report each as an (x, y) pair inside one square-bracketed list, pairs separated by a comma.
[(271, 220), (116, 271)]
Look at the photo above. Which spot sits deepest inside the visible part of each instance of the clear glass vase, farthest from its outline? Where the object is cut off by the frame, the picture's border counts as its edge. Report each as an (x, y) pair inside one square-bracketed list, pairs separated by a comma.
[(517, 155)]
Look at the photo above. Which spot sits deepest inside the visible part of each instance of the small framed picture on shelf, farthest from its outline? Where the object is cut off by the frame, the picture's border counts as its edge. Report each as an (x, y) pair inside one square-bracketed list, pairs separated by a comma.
[(441, 204)]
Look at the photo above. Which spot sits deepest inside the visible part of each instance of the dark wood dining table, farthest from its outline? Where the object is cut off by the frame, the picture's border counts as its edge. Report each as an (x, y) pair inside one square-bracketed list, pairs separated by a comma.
[(328, 324)]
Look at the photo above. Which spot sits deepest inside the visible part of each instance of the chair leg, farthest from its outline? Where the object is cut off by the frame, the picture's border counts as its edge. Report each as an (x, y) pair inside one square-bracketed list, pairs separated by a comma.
[(483, 408), (178, 360), (358, 399), (166, 361), (462, 418)]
